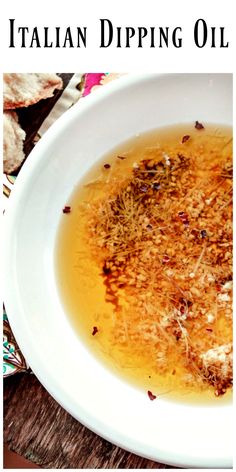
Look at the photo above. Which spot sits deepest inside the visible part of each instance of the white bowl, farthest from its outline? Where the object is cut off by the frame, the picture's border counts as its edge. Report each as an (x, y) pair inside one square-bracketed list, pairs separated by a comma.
[(165, 431)]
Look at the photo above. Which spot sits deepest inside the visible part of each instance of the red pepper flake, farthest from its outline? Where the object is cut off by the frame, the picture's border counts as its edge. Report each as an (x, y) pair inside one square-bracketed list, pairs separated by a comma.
[(151, 396), (198, 125), (66, 209), (106, 166), (185, 138), (186, 222), (165, 259), (95, 331), (185, 302), (183, 217), (209, 329)]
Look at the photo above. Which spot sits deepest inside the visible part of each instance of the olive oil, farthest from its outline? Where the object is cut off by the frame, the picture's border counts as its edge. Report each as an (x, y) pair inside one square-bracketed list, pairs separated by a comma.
[(98, 311)]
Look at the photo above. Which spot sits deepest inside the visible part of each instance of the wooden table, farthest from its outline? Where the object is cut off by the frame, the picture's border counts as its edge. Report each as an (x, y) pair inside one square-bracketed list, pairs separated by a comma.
[(35, 426), (39, 429)]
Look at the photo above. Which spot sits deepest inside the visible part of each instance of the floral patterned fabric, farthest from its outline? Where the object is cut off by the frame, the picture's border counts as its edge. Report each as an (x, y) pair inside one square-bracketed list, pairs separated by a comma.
[(13, 360)]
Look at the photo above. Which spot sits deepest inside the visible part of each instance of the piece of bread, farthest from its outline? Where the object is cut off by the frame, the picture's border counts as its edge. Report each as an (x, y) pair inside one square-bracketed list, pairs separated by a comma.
[(22, 90), (13, 138)]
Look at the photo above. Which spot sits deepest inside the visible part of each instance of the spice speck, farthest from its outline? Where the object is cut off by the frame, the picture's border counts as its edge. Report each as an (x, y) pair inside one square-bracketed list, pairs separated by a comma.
[(106, 270), (165, 259), (144, 188), (198, 125), (151, 396), (95, 330), (66, 209), (203, 233), (106, 166), (185, 138)]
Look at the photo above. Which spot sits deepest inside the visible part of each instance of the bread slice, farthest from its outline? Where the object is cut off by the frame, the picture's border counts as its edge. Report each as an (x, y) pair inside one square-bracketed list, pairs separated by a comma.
[(13, 138), (22, 90)]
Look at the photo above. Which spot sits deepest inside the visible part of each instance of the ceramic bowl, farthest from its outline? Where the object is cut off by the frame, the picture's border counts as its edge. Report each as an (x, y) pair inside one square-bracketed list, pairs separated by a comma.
[(165, 431)]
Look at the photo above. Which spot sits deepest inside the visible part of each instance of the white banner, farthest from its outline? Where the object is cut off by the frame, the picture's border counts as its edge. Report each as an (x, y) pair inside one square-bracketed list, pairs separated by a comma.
[(152, 36)]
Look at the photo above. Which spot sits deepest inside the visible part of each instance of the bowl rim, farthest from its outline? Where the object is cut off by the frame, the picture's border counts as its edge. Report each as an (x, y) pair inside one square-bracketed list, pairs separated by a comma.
[(13, 207)]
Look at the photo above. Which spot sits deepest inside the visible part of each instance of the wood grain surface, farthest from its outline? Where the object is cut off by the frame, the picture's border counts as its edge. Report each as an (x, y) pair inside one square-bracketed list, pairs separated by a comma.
[(40, 430), (11, 460)]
